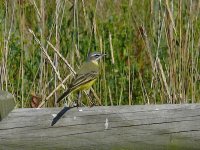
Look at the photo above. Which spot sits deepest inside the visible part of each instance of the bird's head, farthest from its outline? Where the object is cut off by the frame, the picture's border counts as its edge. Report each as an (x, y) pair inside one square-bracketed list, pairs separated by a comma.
[(95, 56)]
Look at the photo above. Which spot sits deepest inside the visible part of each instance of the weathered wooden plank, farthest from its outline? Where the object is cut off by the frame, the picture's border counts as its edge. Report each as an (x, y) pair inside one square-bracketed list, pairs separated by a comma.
[(129, 127), (6, 103)]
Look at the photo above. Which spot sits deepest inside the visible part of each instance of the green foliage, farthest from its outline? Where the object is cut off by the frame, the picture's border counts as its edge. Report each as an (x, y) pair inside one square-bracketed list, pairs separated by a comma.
[(136, 35)]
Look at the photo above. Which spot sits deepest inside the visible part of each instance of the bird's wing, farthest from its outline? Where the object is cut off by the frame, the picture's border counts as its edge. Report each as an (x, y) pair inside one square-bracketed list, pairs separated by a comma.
[(82, 79), (88, 72), (79, 80)]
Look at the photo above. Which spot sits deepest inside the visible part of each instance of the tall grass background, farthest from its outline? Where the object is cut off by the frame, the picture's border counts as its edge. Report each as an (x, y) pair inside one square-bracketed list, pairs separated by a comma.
[(152, 49)]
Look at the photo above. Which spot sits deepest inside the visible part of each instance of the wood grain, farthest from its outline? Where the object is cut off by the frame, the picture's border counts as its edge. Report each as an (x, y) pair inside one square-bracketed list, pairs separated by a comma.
[(129, 127), (6, 103)]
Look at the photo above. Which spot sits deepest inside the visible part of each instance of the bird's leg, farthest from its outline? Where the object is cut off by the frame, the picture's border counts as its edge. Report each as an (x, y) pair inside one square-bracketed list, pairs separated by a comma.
[(90, 98), (79, 101)]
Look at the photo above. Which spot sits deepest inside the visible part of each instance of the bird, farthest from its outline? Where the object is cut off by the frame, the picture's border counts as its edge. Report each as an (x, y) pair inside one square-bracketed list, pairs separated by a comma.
[(86, 75), (83, 80)]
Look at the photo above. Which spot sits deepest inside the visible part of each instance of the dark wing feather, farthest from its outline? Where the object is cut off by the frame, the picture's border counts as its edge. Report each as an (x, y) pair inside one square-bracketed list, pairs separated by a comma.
[(83, 79), (79, 80), (63, 95)]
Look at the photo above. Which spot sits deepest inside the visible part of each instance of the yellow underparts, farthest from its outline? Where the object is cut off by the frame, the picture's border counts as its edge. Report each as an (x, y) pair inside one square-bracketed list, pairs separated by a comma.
[(89, 84), (85, 86)]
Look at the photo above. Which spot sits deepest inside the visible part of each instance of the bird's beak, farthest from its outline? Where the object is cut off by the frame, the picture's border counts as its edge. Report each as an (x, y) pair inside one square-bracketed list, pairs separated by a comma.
[(103, 55)]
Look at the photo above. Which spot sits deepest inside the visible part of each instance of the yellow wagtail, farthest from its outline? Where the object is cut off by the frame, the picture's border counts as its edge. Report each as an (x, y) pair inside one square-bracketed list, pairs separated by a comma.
[(84, 79), (86, 75)]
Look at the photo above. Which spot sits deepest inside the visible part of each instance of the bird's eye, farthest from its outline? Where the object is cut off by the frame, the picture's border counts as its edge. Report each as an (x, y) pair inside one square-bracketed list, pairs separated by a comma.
[(97, 55)]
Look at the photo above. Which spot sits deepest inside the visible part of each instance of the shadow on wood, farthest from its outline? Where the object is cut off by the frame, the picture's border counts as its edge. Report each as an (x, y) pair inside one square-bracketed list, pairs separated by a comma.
[(128, 127)]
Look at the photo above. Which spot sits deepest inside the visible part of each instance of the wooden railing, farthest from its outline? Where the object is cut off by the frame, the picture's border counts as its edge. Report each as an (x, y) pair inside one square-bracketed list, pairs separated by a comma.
[(117, 127), (6, 103)]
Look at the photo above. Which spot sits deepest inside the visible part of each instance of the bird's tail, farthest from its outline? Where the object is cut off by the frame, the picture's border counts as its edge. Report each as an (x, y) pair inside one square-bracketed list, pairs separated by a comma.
[(65, 94)]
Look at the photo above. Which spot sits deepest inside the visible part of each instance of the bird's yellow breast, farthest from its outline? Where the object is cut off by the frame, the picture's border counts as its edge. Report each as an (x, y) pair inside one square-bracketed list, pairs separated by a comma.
[(85, 86)]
